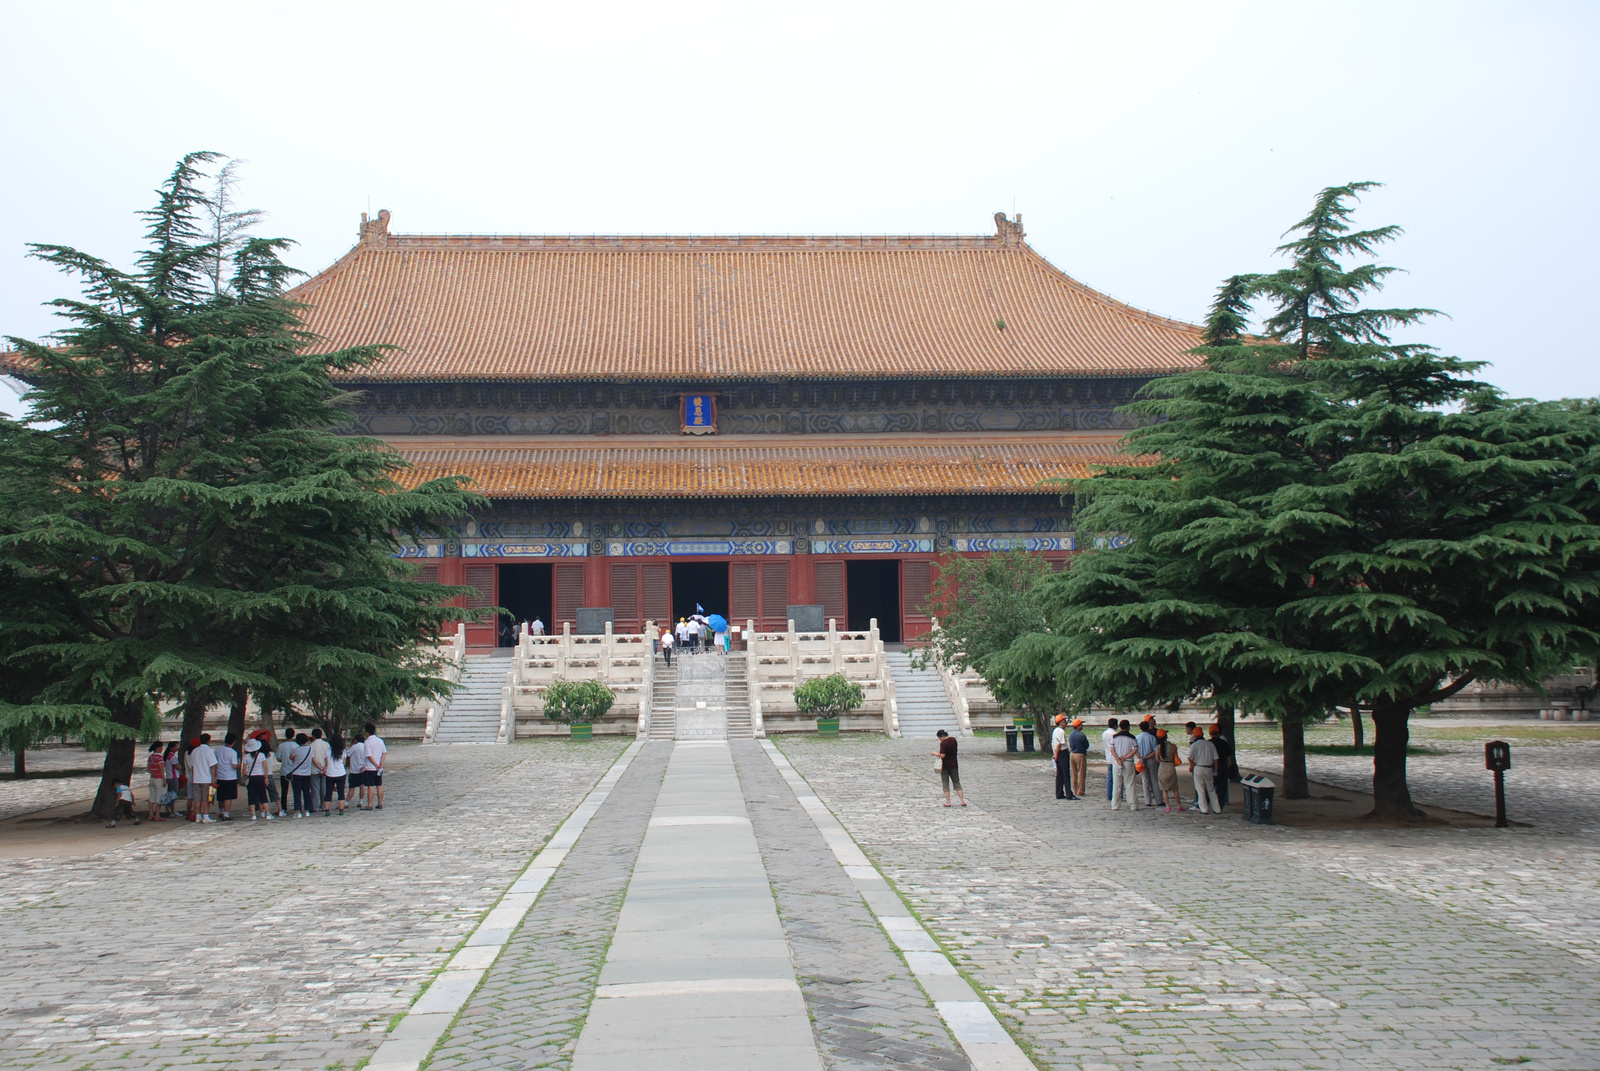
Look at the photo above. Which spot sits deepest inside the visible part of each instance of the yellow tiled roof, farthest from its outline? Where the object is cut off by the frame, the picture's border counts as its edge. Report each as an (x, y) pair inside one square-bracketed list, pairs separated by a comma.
[(755, 465), (704, 309)]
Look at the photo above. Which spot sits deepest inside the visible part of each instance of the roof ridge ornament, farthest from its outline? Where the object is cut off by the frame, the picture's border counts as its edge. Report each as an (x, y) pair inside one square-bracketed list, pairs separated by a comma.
[(1009, 231), (375, 230)]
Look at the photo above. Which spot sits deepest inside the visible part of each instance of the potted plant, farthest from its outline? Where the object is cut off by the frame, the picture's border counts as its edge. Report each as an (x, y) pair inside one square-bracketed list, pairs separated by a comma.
[(828, 698), (578, 704)]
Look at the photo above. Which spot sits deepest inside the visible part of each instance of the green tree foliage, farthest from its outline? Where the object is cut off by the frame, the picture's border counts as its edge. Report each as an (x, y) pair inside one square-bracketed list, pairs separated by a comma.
[(182, 518), (982, 606), (1326, 517), (577, 702), (828, 697)]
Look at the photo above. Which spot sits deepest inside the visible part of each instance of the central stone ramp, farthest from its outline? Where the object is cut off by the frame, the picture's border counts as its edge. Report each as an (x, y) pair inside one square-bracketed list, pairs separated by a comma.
[(698, 975), (700, 708)]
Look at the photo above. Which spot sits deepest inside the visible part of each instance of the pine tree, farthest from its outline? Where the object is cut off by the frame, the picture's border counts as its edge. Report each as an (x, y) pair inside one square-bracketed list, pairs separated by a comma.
[(189, 520), (1324, 517)]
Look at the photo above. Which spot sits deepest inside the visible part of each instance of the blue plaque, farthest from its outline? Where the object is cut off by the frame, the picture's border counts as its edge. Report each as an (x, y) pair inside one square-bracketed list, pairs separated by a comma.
[(700, 414)]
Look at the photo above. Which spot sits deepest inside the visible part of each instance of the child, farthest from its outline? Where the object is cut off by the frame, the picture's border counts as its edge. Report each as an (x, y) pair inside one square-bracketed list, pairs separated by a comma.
[(156, 765), (122, 804)]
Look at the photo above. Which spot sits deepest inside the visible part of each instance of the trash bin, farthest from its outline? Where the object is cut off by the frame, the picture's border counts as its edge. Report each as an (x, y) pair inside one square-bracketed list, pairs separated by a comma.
[(1011, 738), (1258, 792), (1027, 738)]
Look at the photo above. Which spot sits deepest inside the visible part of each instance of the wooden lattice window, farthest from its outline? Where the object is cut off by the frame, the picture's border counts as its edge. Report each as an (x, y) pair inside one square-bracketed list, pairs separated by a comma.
[(625, 594), (775, 592), (830, 590), (917, 581), (569, 592), (657, 600), (744, 597), (481, 578)]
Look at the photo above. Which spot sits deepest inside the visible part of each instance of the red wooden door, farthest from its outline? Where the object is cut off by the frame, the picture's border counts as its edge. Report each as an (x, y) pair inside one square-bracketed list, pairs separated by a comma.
[(916, 584), (774, 595), (830, 591), (744, 594), (569, 594), (481, 578), (656, 599), (625, 598)]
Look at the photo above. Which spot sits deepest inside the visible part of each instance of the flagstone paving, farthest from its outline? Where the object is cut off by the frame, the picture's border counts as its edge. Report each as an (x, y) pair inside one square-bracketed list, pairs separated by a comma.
[(1142, 939), (1105, 940), (282, 944)]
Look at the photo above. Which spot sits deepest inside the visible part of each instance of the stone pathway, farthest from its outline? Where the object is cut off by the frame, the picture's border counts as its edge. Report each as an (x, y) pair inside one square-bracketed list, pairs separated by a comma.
[(701, 711), (282, 944), (41, 793), (707, 917), (1141, 939)]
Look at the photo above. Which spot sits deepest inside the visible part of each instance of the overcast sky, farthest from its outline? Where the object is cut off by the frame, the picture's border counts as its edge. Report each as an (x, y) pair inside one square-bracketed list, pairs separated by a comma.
[(1152, 148)]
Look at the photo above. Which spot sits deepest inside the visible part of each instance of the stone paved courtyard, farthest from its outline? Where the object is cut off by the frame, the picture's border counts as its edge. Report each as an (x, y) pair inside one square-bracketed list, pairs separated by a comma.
[(1128, 939)]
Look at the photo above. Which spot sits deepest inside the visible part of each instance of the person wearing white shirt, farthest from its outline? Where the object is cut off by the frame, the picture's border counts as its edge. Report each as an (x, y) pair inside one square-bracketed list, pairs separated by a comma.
[(1105, 745), (227, 776), (284, 750), (1202, 767), (1125, 753), (333, 776), (202, 763), (355, 761), (376, 751), (1062, 758)]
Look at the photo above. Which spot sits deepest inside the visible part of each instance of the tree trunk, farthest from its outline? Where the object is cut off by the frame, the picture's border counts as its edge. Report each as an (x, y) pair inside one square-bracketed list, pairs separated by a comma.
[(1296, 785), (1358, 727), (1391, 796), (1225, 722), (194, 714), (19, 763), (119, 757), (236, 711)]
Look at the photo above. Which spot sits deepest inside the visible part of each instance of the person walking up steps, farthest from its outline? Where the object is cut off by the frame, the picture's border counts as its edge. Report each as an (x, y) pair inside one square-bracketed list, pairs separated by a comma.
[(949, 770), (666, 645)]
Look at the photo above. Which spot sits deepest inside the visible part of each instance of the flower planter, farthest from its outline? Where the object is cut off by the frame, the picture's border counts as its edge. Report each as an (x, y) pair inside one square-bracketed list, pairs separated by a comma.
[(828, 726), (582, 732)]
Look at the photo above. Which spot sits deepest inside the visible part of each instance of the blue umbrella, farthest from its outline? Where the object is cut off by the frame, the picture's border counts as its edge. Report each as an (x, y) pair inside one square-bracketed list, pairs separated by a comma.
[(718, 623)]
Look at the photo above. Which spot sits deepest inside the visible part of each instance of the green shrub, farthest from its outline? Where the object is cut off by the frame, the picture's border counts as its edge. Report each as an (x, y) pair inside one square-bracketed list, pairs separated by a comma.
[(577, 702), (828, 697)]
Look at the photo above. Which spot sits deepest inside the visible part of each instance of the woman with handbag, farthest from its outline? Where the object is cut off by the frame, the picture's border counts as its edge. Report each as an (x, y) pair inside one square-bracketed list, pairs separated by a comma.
[(1167, 776)]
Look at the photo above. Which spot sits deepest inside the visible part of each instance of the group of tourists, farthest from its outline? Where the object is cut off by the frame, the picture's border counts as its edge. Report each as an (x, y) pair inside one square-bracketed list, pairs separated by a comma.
[(298, 777), (1143, 768), (694, 634)]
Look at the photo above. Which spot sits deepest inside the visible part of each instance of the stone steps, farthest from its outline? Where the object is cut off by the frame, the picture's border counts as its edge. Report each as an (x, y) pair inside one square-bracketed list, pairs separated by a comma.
[(663, 724), (737, 689), (920, 696), (473, 716)]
